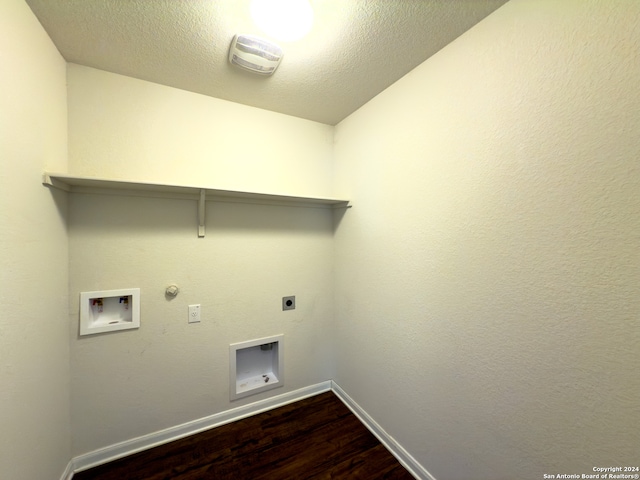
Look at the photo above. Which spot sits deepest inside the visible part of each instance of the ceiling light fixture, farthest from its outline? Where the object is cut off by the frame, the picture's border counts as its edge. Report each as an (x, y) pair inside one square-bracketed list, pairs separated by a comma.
[(255, 54), (285, 20)]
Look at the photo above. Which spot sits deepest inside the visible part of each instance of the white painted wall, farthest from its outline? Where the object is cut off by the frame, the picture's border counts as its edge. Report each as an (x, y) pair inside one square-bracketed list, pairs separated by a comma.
[(34, 345), (488, 276), (124, 128), (168, 372)]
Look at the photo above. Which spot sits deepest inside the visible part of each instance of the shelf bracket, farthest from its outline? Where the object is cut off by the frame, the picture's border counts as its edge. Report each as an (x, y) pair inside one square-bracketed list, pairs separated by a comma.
[(201, 213)]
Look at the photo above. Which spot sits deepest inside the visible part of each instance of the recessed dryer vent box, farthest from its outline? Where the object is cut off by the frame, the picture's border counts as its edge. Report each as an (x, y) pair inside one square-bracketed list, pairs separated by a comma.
[(109, 310), (256, 366)]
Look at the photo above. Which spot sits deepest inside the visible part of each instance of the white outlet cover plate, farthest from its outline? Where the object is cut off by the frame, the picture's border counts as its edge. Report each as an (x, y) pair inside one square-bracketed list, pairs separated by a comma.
[(194, 313)]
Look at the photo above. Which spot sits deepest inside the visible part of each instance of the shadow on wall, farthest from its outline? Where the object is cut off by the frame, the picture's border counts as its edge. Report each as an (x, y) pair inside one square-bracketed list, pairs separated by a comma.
[(106, 214)]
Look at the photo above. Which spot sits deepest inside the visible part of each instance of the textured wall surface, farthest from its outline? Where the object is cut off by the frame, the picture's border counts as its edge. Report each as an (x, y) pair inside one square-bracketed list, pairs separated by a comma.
[(488, 282), (124, 128), (34, 345), (168, 372)]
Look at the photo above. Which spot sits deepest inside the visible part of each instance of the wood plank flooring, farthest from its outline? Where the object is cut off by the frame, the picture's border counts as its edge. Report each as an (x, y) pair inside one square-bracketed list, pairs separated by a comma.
[(315, 438)]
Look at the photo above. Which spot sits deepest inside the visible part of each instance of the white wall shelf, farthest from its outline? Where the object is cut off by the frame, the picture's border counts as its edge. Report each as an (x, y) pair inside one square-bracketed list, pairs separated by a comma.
[(77, 184)]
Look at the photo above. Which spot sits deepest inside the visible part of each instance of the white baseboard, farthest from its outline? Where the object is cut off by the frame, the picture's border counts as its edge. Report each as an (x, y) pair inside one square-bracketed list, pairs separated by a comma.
[(68, 472), (145, 442), (129, 447), (387, 440)]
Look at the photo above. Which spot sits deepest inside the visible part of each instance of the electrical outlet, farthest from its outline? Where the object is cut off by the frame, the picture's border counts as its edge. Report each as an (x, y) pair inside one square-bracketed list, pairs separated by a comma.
[(194, 313), (289, 303)]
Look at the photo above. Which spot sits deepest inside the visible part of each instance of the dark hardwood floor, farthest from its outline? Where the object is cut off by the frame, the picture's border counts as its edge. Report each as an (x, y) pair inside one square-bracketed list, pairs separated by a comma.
[(315, 438)]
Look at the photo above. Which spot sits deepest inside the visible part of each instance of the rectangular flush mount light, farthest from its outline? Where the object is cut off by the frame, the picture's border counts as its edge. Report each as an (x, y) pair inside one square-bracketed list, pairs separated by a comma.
[(255, 54)]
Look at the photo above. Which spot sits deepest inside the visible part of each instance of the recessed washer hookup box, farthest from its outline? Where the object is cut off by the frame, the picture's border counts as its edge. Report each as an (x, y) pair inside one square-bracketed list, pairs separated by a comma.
[(256, 366), (109, 310)]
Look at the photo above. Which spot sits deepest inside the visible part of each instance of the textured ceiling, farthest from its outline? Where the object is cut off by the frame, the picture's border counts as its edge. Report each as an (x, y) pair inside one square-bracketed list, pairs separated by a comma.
[(355, 50)]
